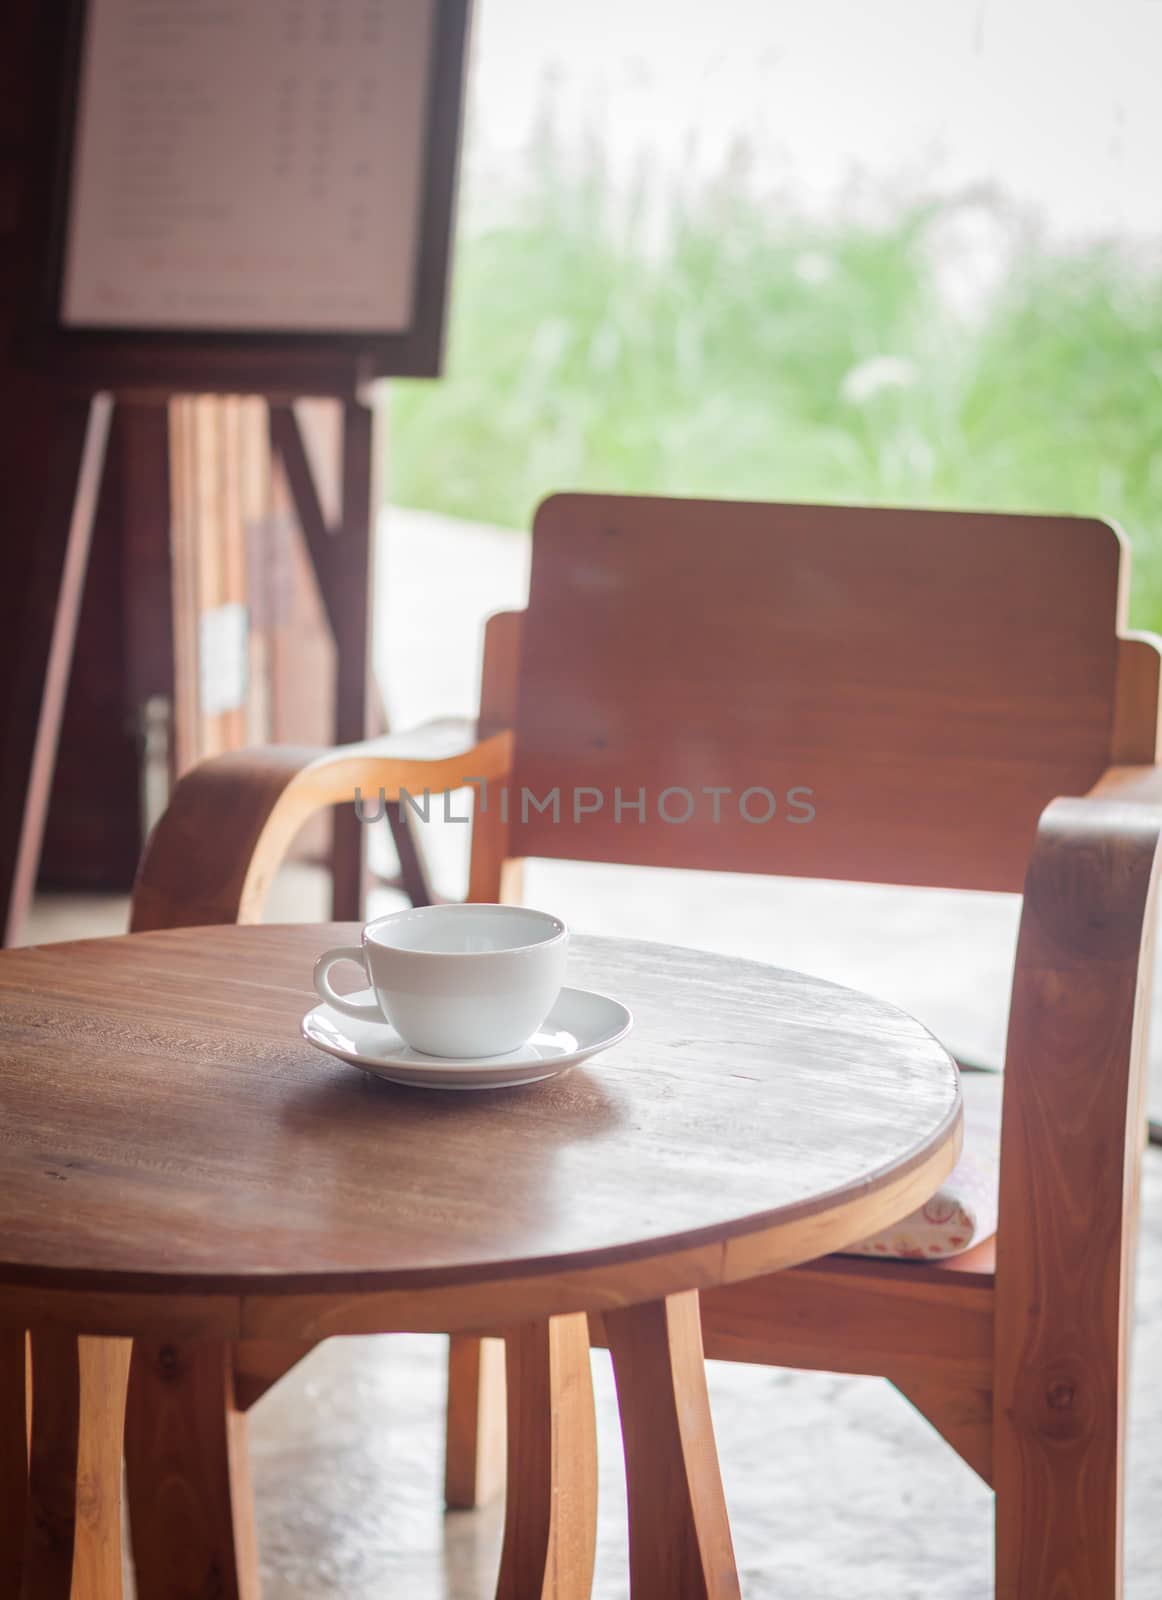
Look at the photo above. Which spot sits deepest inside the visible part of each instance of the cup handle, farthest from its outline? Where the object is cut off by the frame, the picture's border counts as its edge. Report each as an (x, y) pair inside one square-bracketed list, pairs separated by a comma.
[(349, 1008)]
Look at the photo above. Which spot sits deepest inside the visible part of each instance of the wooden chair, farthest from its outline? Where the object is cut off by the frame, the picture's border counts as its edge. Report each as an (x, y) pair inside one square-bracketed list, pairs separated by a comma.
[(956, 702)]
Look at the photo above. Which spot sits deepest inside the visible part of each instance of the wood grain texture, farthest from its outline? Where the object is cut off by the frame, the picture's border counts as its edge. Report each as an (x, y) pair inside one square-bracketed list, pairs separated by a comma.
[(679, 1536), (209, 561), (73, 1540), (753, 1119), (915, 1320), (927, 1326), (15, 1420), (47, 1568), (960, 1413), (473, 1454), (258, 1364), (288, 444), (156, 641), (494, 875), (482, 1306), (185, 484), (120, 1314), (1018, 695), (352, 585), (94, 827), (252, 803), (104, 1370), (474, 1425), (550, 1514), (330, 455), (500, 671), (188, 1475), (1073, 1131), (1137, 710), (53, 520), (689, 601), (934, 678)]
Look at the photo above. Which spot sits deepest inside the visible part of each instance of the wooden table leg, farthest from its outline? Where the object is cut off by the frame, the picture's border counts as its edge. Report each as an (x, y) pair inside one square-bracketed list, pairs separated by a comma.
[(474, 1422), (72, 1545), (190, 1510), (550, 1514), (15, 1415), (679, 1536)]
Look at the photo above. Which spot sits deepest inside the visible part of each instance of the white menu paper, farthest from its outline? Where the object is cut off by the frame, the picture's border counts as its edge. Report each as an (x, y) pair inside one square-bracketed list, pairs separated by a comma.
[(248, 165)]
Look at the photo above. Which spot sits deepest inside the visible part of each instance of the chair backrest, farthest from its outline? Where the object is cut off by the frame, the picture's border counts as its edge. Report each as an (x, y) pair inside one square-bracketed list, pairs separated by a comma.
[(876, 695)]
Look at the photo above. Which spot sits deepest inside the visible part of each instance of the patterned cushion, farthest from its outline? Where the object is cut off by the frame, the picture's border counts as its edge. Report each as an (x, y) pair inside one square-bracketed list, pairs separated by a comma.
[(963, 1211)]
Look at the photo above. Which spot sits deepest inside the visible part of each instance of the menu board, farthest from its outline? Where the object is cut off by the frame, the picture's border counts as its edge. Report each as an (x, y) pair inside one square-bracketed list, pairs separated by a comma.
[(250, 165)]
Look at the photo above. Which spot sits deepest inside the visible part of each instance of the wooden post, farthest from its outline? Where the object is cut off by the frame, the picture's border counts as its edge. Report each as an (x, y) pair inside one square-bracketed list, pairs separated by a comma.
[(340, 539), (352, 577), (56, 491), (55, 508)]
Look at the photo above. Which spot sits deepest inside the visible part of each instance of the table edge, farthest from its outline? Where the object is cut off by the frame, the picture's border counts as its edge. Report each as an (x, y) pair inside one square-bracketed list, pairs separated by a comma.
[(480, 1295)]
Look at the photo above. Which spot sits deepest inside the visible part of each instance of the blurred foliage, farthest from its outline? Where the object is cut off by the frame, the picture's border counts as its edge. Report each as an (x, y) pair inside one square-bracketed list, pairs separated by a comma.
[(708, 341)]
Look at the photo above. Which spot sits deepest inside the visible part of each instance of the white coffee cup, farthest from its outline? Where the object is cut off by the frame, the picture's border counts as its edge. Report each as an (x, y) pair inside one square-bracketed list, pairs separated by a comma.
[(460, 980)]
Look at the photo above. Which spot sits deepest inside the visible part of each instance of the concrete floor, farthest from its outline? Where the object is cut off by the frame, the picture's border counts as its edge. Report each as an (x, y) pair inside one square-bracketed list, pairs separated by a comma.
[(836, 1487)]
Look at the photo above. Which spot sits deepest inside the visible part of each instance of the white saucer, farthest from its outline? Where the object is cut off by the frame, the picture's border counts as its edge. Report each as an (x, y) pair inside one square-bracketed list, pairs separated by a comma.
[(579, 1025)]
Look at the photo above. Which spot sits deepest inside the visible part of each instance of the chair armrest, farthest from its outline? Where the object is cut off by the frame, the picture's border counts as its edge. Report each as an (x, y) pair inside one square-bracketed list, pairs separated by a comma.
[(1072, 1135), (231, 820), (1136, 786)]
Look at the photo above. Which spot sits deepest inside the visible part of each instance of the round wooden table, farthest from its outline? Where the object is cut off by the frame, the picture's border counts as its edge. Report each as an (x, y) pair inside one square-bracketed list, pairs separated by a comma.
[(182, 1171)]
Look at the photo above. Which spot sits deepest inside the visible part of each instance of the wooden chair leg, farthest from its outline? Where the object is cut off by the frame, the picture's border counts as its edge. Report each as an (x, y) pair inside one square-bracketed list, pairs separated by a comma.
[(1060, 1480), (679, 1536), (15, 1416), (474, 1422), (72, 1547), (550, 1519), (190, 1509)]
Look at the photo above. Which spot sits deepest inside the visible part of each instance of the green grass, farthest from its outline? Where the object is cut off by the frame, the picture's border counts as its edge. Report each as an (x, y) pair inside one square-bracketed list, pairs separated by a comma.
[(728, 361)]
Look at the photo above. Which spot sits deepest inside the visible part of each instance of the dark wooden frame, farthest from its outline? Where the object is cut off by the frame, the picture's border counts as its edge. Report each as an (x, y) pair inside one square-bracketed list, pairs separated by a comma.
[(65, 378), (154, 360), (340, 556)]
